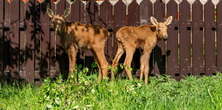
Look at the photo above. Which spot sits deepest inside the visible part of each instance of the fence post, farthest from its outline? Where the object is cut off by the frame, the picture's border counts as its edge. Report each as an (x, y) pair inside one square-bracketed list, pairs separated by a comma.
[(172, 42)]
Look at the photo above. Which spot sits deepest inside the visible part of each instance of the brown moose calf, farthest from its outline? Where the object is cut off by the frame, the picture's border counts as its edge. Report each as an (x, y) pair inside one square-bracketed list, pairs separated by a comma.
[(75, 35), (145, 37)]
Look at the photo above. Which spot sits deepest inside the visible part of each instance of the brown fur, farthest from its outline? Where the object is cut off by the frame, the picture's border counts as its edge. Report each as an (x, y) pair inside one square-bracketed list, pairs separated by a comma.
[(76, 35), (145, 37)]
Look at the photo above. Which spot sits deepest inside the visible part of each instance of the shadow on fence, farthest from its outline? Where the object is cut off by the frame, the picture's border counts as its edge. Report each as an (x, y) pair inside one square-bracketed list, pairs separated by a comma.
[(13, 58)]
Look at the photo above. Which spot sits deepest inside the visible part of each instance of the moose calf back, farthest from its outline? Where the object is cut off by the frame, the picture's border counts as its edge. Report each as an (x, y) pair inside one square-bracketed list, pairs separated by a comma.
[(84, 35), (137, 37)]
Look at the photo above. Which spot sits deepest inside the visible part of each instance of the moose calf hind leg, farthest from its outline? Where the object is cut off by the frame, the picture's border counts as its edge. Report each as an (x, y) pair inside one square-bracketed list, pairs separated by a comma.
[(116, 59), (127, 63)]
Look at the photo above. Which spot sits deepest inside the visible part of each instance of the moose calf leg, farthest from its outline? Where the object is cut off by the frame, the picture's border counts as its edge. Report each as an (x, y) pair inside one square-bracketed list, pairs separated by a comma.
[(99, 52), (127, 62), (142, 66), (72, 51), (116, 59), (146, 73), (146, 66)]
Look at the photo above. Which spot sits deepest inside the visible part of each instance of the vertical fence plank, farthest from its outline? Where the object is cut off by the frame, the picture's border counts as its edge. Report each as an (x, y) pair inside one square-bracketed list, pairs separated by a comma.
[(30, 41), (1, 37), (44, 43), (52, 53), (105, 11), (145, 11), (185, 36), (159, 51), (210, 29), (120, 14), (6, 38), (26, 42), (74, 16), (97, 14), (219, 37), (133, 14), (11, 48), (37, 42), (106, 17), (22, 40), (172, 42), (197, 39)]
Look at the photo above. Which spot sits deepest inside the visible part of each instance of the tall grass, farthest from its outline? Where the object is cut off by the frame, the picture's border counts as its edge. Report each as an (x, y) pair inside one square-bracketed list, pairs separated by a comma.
[(13, 97), (162, 93)]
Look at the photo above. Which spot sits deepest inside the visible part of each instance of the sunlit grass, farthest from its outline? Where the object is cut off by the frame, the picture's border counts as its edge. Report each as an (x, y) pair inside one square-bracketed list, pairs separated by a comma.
[(162, 93)]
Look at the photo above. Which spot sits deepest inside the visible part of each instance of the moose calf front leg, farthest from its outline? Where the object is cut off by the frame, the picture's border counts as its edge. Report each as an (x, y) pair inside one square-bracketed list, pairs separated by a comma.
[(103, 64), (72, 52), (146, 65), (142, 66)]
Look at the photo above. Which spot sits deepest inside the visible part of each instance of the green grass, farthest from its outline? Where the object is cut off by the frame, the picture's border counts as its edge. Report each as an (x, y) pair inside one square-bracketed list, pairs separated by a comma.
[(162, 93), (19, 98)]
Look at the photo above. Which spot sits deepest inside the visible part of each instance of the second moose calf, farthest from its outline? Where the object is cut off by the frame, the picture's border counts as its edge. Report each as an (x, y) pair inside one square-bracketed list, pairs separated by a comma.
[(145, 37)]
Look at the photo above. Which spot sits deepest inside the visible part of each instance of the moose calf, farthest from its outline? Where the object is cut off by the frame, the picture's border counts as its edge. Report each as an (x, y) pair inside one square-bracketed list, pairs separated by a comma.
[(76, 35), (145, 37)]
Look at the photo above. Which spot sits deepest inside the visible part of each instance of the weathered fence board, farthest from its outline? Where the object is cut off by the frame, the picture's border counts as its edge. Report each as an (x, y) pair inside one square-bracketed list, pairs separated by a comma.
[(210, 32), (219, 37), (133, 14), (172, 43), (30, 41), (23, 40), (185, 38), (74, 16), (145, 11), (37, 40), (11, 39), (120, 14), (44, 42), (197, 38)]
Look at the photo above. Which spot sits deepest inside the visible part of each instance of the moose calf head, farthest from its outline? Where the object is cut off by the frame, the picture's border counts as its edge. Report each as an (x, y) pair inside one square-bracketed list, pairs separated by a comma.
[(161, 27), (56, 19)]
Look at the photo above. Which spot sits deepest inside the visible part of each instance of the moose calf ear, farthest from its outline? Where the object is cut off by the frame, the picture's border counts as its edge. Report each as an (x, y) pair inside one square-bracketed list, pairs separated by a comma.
[(169, 20), (67, 12), (153, 20), (50, 12)]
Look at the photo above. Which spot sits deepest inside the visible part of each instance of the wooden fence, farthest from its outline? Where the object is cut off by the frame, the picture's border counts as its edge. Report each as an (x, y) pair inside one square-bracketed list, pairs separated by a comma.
[(30, 50)]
